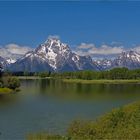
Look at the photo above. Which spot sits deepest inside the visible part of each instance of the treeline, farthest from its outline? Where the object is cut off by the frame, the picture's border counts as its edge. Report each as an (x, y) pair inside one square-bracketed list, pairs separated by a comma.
[(40, 74), (116, 73)]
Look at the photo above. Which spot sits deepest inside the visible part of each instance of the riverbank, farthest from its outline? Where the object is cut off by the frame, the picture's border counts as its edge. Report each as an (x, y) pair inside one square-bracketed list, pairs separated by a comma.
[(102, 81), (5, 91), (120, 123), (32, 77)]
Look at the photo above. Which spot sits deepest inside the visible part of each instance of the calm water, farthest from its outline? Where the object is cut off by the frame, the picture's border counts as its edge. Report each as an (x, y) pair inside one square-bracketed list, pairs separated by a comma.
[(51, 105)]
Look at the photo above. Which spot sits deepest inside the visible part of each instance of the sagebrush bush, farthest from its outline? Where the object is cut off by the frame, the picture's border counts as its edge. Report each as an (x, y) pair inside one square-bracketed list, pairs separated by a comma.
[(122, 123)]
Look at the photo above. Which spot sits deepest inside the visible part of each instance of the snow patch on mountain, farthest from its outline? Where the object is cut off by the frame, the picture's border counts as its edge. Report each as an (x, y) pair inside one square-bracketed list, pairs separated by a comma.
[(12, 52), (55, 56)]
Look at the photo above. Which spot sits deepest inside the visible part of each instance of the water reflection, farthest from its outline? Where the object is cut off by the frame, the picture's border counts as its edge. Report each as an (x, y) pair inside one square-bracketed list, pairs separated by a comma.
[(59, 89), (8, 99), (50, 105)]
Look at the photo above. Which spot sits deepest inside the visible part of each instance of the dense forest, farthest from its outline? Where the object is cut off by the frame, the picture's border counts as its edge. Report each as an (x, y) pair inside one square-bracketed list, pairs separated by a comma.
[(116, 73)]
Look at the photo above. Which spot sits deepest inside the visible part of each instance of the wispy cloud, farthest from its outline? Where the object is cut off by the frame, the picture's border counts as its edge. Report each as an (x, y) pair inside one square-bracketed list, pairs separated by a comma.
[(54, 36), (91, 49), (137, 49), (17, 49), (13, 50), (109, 51), (86, 46)]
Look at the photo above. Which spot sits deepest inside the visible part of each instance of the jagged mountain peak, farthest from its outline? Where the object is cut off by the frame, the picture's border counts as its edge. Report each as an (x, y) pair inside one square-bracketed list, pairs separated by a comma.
[(131, 55), (129, 59), (3, 62), (53, 40), (55, 55), (52, 45), (54, 52), (103, 64)]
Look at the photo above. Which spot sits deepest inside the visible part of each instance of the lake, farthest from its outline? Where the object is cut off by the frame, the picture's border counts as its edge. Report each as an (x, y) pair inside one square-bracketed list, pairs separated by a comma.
[(51, 105)]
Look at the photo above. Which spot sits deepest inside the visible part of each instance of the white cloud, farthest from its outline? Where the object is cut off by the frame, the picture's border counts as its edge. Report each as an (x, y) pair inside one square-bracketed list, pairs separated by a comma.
[(16, 49), (106, 50), (54, 36), (13, 51), (137, 49), (91, 49), (86, 46)]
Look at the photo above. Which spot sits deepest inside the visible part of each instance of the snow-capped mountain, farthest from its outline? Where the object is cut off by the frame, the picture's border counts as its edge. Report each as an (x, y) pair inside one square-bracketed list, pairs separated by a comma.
[(104, 64), (129, 59), (3, 62), (12, 52), (53, 55)]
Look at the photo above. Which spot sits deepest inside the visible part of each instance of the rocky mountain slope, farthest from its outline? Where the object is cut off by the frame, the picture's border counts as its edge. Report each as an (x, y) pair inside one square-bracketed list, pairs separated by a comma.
[(128, 59), (3, 63), (53, 55)]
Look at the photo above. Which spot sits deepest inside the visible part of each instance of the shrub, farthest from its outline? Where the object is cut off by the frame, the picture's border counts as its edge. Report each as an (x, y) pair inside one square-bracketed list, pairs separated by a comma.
[(122, 123), (1, 84), (13, 83)]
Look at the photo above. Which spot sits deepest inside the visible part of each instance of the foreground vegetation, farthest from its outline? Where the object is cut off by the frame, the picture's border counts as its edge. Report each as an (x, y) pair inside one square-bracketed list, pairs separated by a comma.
[(8, 83), (5, 90), (121, 123)]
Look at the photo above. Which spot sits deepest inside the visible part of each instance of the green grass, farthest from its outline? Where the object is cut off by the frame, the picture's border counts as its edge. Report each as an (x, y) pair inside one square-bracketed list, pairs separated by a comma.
[(121, 123), (5, 91), (45, 136), (32, 77), (102, 81)]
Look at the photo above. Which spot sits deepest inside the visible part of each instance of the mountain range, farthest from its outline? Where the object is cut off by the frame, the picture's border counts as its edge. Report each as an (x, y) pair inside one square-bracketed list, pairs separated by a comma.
[(53, 55)]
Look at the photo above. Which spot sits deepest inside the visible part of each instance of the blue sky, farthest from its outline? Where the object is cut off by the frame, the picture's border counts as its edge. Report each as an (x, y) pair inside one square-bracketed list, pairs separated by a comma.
[(30, 23)]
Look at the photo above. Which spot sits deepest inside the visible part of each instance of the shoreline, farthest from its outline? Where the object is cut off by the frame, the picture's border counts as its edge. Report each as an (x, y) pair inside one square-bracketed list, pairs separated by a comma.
[(101, 81), (32, 77), (124, 118), (82, 81)]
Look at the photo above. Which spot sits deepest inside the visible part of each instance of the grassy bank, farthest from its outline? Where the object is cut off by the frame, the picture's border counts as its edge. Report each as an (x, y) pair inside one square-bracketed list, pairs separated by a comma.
[(102, 81), (121, 123), (5, 91), (32, 77)]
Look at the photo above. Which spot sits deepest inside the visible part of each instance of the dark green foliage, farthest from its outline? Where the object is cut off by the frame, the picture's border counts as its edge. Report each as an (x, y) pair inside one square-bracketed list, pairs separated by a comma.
[(0, 70), (122, 123), (116, 73), (26, 73), (13, 83), (44, 136), (8, 81), (44, 74), (1, 84)]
